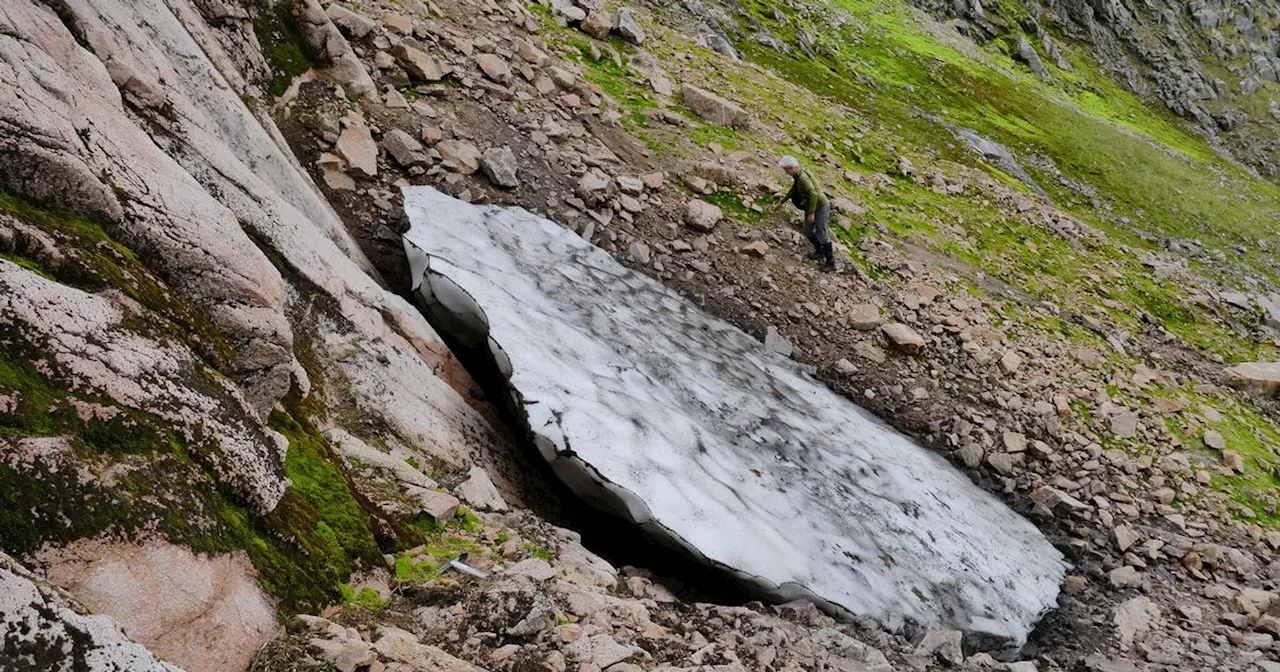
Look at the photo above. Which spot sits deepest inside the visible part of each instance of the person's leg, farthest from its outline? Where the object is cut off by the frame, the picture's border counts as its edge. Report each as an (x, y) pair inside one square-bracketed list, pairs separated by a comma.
[(810, 232), (822, 234)]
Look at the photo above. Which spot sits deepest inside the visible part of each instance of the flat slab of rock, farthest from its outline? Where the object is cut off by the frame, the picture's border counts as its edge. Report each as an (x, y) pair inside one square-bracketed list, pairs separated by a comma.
[(681, 422), (713, 108), (1260, 378)]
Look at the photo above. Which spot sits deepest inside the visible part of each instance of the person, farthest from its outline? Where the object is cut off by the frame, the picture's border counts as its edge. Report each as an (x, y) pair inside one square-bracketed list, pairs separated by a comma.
[(806, 194)]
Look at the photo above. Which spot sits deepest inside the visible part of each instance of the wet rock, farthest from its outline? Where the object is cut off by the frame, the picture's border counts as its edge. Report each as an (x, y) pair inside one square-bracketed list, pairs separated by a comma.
[(700, 215), (499, 165), (713, 108)]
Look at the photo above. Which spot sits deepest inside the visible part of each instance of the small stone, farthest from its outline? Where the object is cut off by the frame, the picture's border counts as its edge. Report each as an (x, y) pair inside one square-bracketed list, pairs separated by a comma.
[(1233, 461), (713, 108), (903, 337), (1124, 424), (1001, 462), (439, 505), (844, 367), (479, 491), (757, 248), (1125, 537), (462, 154), (1015, 442), (632, 186), (404, 148), (775, 342), (1134, 617), (1214, 440), (1124, 577)]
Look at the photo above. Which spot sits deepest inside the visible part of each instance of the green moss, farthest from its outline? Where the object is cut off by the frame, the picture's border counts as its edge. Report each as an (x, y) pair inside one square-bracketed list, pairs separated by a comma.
[(538, 551), (318, 480), (277, 30), (367, 597)]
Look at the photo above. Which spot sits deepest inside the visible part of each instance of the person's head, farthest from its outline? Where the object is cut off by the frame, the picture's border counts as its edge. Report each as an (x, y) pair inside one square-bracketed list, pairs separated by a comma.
[(790, 164)]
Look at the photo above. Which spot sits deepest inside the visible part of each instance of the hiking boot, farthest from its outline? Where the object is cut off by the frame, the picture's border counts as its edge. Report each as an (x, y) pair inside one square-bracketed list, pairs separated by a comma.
[(828, 259), (814, 255)]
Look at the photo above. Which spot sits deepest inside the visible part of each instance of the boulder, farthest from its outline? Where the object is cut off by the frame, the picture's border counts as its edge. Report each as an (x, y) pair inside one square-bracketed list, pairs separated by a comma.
[(494, 67), (417, 62), (404, 148), (499, 165), (598, 25), (943, 645), (700, 215), (713, 108), (356, 145), (903, 337), (864, 316), (462, 154), (479, 491), (628, 27), (354, 24), (1259, 378)]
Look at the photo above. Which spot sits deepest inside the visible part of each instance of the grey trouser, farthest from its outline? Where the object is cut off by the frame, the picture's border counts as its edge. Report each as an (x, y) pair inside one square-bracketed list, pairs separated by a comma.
[(817, 231)]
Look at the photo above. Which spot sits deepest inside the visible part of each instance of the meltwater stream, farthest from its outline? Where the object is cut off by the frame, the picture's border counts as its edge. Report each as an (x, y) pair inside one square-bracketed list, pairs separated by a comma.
[(651, 408)]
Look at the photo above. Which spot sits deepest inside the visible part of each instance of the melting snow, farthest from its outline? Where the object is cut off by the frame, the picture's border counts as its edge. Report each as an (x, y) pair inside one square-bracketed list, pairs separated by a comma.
[(693, 429)]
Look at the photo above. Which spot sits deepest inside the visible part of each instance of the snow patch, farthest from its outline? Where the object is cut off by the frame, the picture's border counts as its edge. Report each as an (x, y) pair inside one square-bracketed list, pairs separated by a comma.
[(652, 409)]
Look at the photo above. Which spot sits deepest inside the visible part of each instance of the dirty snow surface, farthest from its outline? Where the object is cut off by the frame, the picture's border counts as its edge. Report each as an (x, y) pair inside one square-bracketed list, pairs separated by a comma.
[(647, 405)]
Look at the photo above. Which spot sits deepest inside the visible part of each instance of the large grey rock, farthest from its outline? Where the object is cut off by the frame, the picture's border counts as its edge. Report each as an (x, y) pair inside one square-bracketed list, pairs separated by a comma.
[(598, 24), (499, 165), (354, 24), (478, 491), (700, 215), (713, 108), (628, 27), (464, 155)]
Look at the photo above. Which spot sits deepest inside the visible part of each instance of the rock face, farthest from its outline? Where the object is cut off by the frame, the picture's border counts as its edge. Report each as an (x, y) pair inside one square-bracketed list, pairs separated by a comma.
[(176, 267), (200, 612), (40, 627), (544, 288)]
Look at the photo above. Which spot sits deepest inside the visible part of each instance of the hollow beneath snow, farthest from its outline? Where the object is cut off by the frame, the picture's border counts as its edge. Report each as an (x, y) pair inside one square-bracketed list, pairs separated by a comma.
[(648, 406)]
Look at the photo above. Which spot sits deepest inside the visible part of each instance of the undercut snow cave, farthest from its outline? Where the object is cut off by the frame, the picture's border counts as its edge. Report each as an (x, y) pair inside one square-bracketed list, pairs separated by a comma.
[(690, 429)]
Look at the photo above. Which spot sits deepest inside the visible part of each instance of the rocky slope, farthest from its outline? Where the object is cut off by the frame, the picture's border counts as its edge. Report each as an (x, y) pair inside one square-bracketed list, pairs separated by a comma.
[(207, 364)]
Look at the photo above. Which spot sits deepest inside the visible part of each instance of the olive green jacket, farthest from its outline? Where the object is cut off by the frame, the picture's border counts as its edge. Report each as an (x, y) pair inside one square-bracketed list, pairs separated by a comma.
[(806, 193)]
